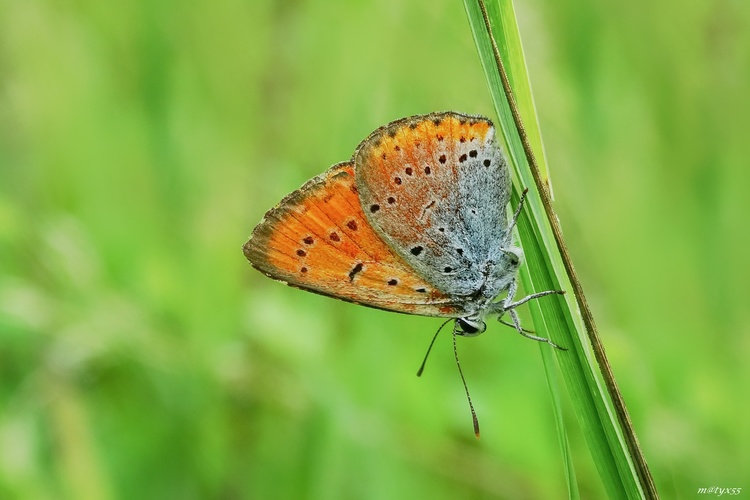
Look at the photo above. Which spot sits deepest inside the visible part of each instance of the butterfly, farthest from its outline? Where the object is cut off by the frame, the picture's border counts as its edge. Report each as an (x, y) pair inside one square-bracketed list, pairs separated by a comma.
[(415, 222)]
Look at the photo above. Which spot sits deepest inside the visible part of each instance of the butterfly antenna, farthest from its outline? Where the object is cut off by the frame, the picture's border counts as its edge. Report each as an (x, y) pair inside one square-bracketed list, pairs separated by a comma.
[(424, 361), (474, 418)]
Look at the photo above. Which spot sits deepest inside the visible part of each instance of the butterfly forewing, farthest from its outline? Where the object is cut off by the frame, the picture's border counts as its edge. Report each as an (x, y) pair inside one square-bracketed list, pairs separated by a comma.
[(319, 239)]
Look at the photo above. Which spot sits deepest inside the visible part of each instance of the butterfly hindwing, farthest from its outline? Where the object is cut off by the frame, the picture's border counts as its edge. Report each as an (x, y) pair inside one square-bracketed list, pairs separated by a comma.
[(446, 176), (319, 239)]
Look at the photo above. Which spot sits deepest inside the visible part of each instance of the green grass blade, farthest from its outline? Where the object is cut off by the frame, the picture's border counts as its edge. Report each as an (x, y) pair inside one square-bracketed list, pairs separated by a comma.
[(556, 317), (551, 371)]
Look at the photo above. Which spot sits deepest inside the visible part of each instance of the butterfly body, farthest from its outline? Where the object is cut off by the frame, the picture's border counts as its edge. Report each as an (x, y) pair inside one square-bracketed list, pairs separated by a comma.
[(415, 223)]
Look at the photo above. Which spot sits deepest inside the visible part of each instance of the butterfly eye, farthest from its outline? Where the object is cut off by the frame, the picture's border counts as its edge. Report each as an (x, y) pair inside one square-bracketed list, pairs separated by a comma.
[(470, 327)]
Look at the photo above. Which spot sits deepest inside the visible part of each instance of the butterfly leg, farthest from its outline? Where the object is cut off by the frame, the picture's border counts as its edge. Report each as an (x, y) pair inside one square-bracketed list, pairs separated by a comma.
[(516, 214), (533, 296), (517, 324), (509, 306), (503, 322)]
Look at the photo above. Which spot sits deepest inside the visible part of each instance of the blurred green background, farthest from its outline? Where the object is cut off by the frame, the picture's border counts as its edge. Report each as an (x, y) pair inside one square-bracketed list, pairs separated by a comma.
[(142, 357)]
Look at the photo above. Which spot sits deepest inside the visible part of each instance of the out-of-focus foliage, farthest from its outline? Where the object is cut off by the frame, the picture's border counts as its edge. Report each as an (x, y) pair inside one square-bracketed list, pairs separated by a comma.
[(141, 357)]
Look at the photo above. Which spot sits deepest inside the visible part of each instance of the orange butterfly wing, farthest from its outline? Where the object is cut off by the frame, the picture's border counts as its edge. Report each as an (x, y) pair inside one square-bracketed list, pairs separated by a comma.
[(445, 175), (318, 239)]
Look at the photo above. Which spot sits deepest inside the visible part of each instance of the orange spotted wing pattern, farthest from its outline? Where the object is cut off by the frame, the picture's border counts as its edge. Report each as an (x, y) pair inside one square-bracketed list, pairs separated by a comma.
[(318, 239), (434, 188)]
